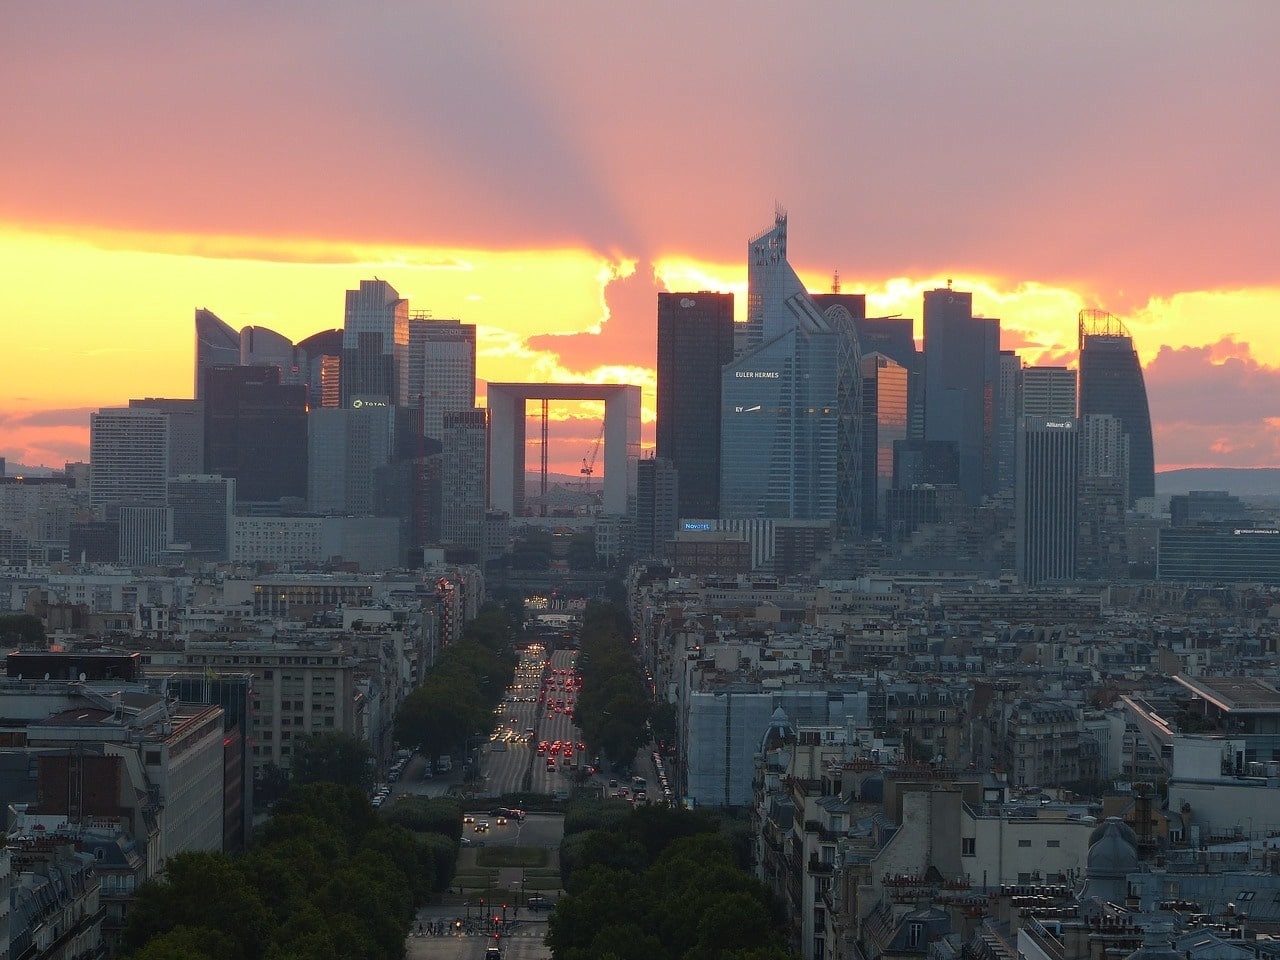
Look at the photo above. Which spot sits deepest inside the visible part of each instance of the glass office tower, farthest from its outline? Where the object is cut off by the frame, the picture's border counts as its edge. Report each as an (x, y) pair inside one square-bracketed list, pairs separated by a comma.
[(962, 373), (790, 404), (217, 345), (1111, 383), (695, 341)]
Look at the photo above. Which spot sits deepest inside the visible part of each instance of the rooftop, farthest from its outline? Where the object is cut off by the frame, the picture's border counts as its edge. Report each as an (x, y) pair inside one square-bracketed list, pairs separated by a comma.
[(1234, 694)]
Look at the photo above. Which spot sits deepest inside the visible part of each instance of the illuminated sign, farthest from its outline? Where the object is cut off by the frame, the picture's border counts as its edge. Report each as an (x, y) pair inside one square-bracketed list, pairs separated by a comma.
[(360, 402), (1255, 530), (1060, 424), (697, 525), (756, 374), (687, 302)]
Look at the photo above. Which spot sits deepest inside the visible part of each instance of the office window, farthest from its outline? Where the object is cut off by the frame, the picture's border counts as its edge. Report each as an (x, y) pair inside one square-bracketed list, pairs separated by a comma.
[(1053, 843), (1024, 843)]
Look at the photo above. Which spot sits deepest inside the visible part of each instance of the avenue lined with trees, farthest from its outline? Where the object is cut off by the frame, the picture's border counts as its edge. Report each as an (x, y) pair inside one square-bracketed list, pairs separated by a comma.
[(662, 884), (325, 877)]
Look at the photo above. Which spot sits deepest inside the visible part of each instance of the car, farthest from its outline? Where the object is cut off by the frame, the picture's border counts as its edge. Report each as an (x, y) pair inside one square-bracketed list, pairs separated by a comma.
[(481, 826), (468, 818), (501, 821), (469, 842), (613, 784), (492, 953), (540, 903)]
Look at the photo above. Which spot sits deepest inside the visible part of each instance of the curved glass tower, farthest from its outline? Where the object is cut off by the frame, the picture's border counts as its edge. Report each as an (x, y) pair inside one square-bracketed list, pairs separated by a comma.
[(1111, 383), (789, 440), (217, 345)]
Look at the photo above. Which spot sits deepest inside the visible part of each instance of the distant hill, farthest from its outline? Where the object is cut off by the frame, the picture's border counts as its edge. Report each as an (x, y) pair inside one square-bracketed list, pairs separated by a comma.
[(1240, 481)]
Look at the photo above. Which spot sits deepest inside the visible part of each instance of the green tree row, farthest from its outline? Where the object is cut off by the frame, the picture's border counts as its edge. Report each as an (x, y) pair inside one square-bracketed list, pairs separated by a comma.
[(456, 699), (325, 878), (663, 885), (613, 705)]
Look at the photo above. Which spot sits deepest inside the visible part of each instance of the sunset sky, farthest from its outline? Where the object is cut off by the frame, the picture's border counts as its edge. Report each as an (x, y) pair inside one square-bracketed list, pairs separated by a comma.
[(543, 170)]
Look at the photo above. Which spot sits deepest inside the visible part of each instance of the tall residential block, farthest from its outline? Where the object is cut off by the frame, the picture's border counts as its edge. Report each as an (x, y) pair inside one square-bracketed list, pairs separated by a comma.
[(128, 456), (1111, 382), (1045, 499), (186, 431), (695, 341), (962, 370)]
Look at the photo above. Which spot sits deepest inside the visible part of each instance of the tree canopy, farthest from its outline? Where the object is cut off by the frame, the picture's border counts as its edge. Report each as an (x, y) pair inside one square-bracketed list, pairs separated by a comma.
[(614, 703), (325, 877), (331, 756), (663, 885), (455, 701)]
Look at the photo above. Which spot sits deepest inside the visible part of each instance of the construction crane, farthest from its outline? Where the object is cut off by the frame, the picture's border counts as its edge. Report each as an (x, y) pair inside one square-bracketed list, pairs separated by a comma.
[(589, 462)]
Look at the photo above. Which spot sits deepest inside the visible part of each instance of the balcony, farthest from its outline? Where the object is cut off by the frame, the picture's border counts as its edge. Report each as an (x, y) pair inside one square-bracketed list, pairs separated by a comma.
[(820, 867)]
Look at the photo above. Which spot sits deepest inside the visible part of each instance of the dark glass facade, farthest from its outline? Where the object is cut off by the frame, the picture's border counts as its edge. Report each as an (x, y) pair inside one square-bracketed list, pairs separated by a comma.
[(256, 432), (695, 341), (1111, 383), (202, 509), (1232, 555), (962, 371)]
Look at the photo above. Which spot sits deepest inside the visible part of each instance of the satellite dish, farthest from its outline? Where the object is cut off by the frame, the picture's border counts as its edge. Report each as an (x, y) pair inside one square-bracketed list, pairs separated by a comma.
[(83, 678)]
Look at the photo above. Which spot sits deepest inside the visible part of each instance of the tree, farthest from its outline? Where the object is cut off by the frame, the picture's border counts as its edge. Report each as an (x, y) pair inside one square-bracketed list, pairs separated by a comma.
[(186, 943), (201, 890), (582, 552), (662, 721), (22, 630), (332, 757)]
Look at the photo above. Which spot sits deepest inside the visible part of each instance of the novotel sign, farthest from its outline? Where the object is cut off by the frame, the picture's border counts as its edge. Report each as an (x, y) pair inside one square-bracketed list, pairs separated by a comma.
[(756, 374), (697, 525)]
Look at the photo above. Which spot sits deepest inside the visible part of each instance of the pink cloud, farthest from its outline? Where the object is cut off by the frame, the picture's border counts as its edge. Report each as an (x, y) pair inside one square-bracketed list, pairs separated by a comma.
[(629, 334), (1214, 405)]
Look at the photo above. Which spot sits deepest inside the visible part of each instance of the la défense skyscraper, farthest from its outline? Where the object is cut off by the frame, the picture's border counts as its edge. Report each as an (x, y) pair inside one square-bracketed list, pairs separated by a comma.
[(695, 341), (1111, 383), (790, 403)]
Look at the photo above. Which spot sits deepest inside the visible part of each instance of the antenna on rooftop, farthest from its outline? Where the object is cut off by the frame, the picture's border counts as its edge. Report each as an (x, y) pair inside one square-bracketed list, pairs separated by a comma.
[(835, 281)]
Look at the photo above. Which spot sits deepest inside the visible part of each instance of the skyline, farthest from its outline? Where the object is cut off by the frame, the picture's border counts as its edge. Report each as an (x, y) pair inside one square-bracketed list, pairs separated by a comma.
[(1048, 160)]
